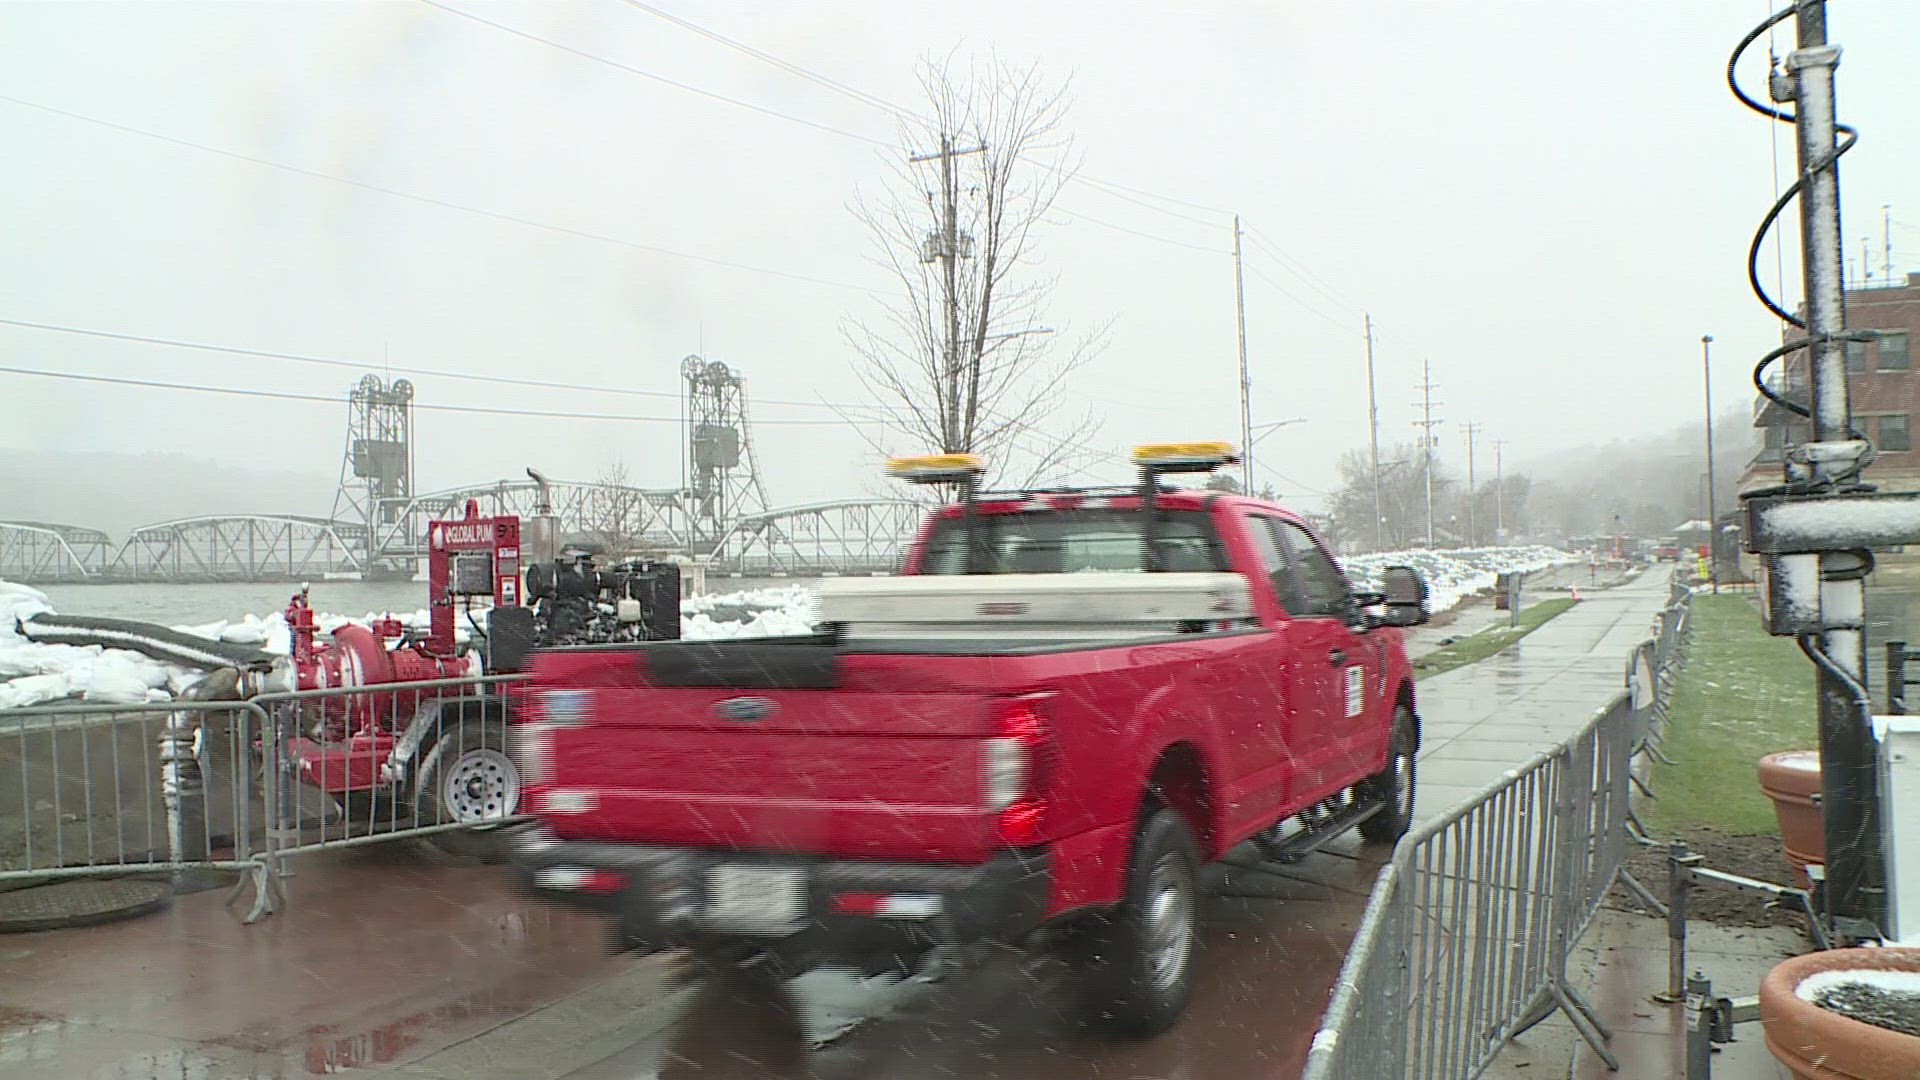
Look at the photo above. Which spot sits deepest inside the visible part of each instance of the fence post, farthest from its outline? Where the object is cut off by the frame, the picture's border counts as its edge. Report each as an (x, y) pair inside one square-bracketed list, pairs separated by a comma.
[(1699, 1009), (183, 791), (1897, 677), (1573, 834), (1679, 882)]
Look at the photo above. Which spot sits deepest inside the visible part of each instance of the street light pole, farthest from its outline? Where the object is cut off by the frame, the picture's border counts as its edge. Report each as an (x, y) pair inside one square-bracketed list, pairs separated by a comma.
[(1246, 380), (1713, 508)]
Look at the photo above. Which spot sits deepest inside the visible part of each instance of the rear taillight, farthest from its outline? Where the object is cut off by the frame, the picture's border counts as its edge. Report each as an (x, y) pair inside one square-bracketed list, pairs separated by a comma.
[(1016, 767)]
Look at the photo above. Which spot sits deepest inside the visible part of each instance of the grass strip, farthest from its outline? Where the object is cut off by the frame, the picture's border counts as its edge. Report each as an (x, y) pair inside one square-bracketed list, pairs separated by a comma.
[(1741, 696), (1477, 647)]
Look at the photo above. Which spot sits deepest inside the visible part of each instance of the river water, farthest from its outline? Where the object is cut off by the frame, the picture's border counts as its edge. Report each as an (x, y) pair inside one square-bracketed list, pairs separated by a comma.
[(188, 605)]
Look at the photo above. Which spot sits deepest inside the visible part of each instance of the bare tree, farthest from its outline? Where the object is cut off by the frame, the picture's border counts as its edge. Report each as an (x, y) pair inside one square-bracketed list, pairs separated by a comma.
[(1403, 498), (962, 355), (613, 513)]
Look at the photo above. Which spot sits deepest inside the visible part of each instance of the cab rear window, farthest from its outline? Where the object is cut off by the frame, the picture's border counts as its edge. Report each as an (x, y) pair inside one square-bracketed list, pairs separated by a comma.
[(1074, 542)]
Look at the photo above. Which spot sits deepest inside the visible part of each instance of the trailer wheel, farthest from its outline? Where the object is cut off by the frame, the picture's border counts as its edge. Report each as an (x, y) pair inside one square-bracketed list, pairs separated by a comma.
[(1393, 785), (1137, 960), (468, 777)]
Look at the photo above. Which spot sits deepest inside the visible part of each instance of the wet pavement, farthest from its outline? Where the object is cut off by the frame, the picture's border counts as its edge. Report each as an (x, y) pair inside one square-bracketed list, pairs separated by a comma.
[(1619, 965), (382, 963), (1480, 720)]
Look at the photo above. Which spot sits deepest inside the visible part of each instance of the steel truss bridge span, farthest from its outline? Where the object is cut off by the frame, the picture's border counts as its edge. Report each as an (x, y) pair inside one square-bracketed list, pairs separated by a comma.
[(240, 547), (43, 551), (615, 517), (851, 536)]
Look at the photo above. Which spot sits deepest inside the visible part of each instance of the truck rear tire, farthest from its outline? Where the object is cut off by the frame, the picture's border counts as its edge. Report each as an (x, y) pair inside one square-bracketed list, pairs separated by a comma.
[(1138, 958), (1393, 785), (468, 776)]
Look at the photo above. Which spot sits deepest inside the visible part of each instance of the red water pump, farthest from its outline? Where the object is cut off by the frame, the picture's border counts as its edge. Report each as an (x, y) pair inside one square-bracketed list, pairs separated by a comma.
[(466, 558)]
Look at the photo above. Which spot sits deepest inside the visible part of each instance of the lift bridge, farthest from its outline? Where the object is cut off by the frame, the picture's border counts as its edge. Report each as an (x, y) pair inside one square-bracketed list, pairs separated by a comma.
[(716, 515), (853, 536)]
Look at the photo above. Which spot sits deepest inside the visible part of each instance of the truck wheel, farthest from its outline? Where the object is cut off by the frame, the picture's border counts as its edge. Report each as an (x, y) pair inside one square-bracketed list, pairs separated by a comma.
[(1393, 785), (1138, 958), (468, 777)]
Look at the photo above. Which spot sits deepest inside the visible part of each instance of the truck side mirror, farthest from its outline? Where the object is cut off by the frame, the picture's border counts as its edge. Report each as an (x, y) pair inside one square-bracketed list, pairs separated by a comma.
[(1405, 596)]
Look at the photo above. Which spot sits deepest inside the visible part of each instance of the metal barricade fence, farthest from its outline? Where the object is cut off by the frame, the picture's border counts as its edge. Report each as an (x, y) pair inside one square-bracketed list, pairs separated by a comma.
[(105, 790), (244, 785), (446, 768), (1468, 931)]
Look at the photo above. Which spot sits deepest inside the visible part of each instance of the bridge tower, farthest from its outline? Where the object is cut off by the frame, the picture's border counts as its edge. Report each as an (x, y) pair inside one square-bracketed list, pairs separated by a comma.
[(717, 465), (377, 467)]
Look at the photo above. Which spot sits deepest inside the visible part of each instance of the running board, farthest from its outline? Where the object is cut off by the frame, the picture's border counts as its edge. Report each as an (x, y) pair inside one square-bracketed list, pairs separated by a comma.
[(1312, 837)]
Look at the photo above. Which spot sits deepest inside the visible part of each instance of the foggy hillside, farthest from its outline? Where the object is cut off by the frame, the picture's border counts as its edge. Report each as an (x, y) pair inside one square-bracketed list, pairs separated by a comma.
[(120, 492), (1652, 483)]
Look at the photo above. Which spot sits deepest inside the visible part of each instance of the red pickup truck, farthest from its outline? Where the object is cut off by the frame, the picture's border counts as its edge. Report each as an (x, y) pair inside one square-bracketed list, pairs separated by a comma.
[(1015, 733)]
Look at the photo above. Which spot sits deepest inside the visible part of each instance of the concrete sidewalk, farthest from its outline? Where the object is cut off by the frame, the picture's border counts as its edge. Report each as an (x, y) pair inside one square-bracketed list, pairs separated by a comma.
[(1618, 966), (1483, 719)]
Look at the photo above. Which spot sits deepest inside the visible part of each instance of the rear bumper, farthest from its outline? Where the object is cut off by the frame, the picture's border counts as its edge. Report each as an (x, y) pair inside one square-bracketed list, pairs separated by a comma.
[(661, 896)]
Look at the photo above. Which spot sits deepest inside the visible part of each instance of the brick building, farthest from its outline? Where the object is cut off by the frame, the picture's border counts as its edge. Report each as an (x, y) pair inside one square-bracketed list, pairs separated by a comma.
[(1883, 384)]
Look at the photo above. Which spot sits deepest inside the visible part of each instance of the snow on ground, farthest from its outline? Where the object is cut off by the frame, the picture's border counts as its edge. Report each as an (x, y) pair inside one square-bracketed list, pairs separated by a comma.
[(32, 673), (1452, 576)]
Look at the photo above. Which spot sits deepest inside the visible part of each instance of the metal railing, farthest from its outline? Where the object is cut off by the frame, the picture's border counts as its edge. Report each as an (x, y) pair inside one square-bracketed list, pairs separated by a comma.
[(244, 786), (1467, 935), (128, 789), (449, 768)]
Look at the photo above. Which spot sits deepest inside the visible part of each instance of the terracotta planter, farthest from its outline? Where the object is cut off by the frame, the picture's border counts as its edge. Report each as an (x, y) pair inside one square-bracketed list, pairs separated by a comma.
[(1818, 1044), (1792, 780)]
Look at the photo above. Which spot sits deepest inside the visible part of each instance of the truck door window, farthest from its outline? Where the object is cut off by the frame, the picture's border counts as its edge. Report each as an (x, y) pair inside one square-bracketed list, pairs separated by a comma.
[(1323, 591), (1273, 560)]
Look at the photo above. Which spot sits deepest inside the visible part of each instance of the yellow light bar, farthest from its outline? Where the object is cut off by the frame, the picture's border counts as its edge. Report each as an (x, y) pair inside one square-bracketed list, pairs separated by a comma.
[(1194, 456), (934, 468)]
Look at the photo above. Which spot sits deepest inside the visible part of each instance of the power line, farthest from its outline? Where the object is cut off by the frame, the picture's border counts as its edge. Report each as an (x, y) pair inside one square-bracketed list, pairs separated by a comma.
[(902, 111), (1304, 273), (1116, 193), (1304, 305), (835, 85), (645, 74), (1084, 216), (359, 365), (429, 200), (283, 395)]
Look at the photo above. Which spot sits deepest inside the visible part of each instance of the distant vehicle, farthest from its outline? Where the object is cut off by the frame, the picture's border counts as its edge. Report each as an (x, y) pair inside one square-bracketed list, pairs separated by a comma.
[(1069, 703)]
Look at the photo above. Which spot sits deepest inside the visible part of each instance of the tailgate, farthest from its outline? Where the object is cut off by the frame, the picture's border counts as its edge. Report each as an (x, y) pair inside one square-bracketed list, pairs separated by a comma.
[(827, 771)]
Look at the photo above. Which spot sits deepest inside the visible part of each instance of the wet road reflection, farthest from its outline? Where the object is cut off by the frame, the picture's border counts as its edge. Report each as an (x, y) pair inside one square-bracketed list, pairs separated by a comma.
[(382, 966), (1272, 943)]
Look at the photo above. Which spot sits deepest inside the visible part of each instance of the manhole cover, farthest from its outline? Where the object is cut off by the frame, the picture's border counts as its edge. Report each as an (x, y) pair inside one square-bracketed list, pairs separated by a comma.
[(80, 902)]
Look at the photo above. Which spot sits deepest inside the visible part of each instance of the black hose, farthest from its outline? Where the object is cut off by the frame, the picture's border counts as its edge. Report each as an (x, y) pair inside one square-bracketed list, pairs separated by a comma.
[(1849, 137)]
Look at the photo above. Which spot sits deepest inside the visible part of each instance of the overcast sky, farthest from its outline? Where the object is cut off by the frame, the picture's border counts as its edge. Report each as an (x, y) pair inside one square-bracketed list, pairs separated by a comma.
[(1549, 200)]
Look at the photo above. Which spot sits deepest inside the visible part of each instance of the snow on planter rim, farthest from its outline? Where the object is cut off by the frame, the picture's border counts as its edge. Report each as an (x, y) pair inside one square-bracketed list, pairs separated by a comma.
[(1898, 982)]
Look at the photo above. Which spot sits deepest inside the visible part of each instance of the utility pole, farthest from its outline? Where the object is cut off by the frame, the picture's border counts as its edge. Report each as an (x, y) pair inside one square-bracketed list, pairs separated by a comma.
[(1816, 575), (954, 431), (1886, 240), (1426, 424), (1473, 493), (1713, 505), (1246, 380), (1499, 492), (1373, 444)]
